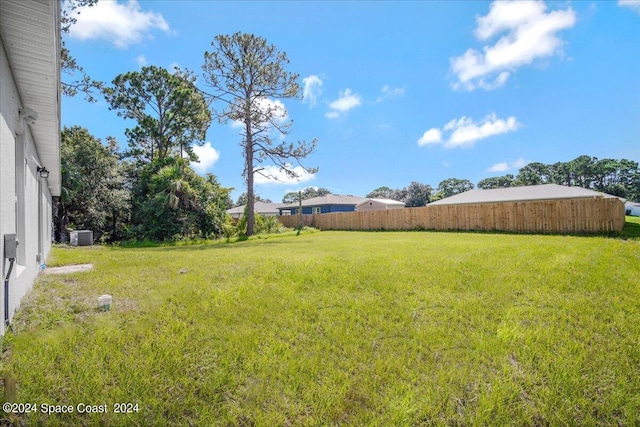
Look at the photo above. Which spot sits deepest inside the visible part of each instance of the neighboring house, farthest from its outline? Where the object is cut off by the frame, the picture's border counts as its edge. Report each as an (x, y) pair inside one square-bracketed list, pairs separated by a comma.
[(521, 194), (379, 205), (323, 204), (29, 141), (632, 209), (262, 208)]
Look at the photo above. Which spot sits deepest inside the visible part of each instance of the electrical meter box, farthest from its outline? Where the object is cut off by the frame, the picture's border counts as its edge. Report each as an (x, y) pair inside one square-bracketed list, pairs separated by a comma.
[(10, 246)]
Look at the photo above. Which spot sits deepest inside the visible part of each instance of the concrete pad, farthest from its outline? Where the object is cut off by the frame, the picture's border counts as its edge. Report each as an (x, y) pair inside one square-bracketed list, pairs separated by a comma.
[(65, 269)]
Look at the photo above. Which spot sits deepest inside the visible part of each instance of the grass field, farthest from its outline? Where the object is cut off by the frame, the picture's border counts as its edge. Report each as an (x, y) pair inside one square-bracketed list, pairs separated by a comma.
[(337, 328)]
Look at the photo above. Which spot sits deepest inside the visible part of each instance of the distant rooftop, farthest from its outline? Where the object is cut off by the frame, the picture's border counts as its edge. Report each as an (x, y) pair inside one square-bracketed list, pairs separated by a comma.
[(329, 199), (260, 207), (389, 202), (521, 194)]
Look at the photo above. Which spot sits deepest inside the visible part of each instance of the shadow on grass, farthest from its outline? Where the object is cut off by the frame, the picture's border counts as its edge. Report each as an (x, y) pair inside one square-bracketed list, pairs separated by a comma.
[(236, 241), (631, 228)]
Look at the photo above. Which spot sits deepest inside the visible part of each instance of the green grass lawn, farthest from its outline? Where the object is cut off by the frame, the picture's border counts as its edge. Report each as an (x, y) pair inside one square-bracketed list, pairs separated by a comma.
[(338, 328)]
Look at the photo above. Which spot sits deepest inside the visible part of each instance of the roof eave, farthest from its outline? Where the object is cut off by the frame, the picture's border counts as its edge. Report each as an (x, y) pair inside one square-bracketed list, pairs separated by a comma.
[(31, 36)]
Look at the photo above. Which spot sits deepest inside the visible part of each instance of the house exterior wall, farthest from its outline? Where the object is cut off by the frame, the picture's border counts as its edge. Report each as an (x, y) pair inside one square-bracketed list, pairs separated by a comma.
[(374, 205), (25, 199), (308, 210), (341, 208), (632, 209)]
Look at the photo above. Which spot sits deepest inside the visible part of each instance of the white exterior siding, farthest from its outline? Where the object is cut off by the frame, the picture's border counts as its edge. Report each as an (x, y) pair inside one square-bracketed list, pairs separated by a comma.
[(379, 205), (25, 198), (632, 209)]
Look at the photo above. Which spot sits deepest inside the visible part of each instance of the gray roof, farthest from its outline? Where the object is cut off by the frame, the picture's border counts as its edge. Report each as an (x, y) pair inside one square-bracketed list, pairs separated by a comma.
[(388, 202), (30, 32), (520, 194), (329, 199), (259, 207)]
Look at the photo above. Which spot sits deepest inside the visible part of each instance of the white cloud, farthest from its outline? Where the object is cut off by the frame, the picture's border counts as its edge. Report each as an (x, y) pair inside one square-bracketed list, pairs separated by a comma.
[(299, 188), (464, 132), (345, 102), (275, 175), (506, 166), (311, 90), (207, 156), (142, 61), (122, 24), (632, 4), (531, 34), (499, 167), (392, 92), (387, 92), (432, 136)]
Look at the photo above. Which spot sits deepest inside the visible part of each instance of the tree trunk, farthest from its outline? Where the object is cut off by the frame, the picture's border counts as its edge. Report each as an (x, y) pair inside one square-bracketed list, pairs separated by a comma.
[(249, 165)]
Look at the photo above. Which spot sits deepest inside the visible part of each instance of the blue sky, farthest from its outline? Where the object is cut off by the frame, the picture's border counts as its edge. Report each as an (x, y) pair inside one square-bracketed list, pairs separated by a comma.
[(397, 91)]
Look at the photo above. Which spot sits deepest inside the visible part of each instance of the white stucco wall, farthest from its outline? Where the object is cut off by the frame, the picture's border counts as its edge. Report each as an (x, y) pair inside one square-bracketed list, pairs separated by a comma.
[(375, 205), (26, 212)]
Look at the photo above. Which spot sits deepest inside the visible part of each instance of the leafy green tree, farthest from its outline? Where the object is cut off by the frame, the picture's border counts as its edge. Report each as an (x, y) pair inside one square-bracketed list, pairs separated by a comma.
[(171, 201), (629, 178), (496, 182), (381, 193), (75, 79), (94, 194), (437, 196), (307, 193), (535, 174), (605, 173), (171, 114), (247, 75), (452, 186), (292, 197), (242, 199), (418, 194), (616, 177), (400, 194), (582, 171)]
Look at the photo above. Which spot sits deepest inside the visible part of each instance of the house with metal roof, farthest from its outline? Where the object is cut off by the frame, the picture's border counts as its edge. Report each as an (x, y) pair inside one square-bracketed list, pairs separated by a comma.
[(521, 194), (262, 208), (30, 173), (324, 204), (379, 205)]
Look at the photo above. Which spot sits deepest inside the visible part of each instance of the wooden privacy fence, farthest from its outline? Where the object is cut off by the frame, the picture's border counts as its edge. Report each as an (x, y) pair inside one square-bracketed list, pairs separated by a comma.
[(594, 215)]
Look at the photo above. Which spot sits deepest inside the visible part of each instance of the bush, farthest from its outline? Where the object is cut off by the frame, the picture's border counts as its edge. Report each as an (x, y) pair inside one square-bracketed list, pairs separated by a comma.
[(263, 225)]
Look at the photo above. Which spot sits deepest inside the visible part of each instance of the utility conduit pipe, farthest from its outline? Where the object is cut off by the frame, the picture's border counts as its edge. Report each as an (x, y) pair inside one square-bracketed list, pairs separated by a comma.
[(6, 292)]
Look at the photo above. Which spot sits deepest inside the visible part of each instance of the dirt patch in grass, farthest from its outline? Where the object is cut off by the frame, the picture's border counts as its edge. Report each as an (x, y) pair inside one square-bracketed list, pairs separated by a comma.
[(67, 269)]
